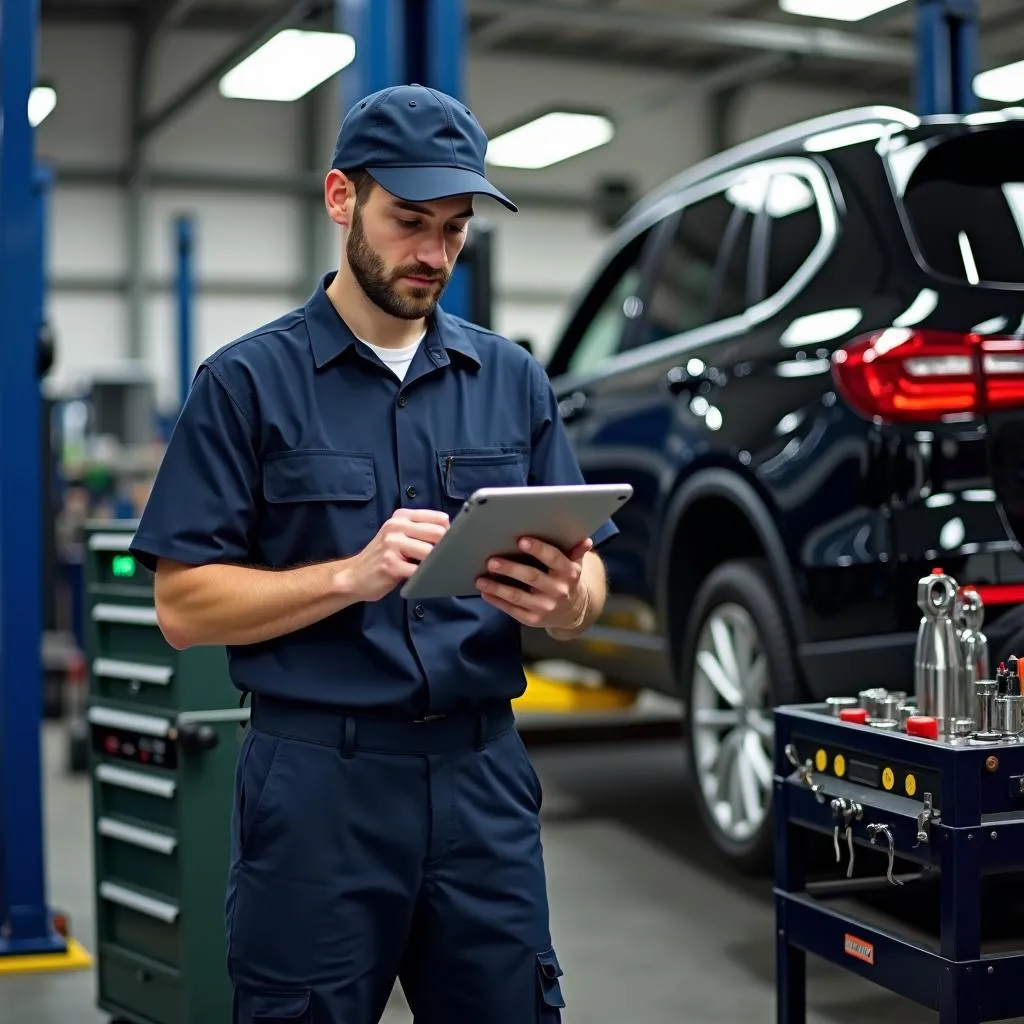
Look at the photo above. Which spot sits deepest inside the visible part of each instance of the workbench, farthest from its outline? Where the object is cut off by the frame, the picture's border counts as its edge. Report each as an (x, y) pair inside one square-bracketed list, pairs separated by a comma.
[(941, 921)]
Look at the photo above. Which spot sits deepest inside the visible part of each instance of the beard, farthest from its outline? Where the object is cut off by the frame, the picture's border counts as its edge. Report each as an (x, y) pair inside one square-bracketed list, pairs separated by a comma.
[(381, 287)]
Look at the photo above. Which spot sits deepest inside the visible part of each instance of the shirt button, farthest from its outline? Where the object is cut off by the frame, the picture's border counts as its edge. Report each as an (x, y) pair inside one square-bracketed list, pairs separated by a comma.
[(402, 399), (419, 611), (410, 491)]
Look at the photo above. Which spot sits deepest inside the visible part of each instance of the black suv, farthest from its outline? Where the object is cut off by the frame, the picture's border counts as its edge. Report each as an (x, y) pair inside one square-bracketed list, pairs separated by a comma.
[(805, 355)]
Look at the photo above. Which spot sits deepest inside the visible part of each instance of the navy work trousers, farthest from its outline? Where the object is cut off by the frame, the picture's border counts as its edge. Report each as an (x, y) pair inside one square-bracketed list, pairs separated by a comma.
[(369, 851)]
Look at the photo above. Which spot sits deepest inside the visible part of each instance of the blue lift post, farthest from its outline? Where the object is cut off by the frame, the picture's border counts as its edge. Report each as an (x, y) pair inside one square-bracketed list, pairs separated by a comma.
[(184, 234), (400, 42), (26, 925), (947, 56)]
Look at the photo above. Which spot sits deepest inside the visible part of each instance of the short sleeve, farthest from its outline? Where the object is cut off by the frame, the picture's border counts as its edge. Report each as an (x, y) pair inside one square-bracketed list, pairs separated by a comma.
[(202, 505), (552, 460)]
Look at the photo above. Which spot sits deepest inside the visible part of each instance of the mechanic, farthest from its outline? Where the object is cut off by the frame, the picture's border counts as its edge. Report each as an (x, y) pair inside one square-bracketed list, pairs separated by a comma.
[(386, 819)]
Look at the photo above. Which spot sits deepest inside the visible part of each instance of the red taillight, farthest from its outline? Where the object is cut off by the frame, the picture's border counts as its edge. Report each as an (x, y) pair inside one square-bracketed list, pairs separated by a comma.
[(903, 374)]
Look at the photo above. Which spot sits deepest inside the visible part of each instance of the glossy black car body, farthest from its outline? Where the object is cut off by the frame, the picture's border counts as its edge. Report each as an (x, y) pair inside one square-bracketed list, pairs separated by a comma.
[(708, 363)]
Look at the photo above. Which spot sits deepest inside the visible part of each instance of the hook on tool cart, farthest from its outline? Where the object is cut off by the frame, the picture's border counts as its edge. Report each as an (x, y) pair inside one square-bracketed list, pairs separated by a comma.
[(874, 830), (804, 771)]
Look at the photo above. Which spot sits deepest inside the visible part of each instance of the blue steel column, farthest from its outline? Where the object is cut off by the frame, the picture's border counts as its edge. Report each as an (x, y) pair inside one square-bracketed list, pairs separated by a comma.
[(184, 234), (444, 38), (378, 27), (25, 924), (947, 56), (400, 42)]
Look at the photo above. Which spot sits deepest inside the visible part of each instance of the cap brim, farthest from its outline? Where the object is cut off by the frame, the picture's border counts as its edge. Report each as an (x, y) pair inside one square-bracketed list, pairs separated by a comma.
[(428, 184)]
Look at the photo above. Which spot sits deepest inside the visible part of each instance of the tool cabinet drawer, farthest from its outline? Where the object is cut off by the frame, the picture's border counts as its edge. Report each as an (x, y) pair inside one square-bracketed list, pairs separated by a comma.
[(130, 851), (135, 985), (142, 922), (141, 683), (148, 797), (129, 632)]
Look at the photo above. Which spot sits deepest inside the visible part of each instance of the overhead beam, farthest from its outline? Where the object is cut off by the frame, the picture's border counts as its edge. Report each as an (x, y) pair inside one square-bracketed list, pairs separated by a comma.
[(807, 41), (284, 15), (297, 184)]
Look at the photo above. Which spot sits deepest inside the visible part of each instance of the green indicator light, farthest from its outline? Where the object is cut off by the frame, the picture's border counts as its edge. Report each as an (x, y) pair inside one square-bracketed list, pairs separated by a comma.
[(123, 566)]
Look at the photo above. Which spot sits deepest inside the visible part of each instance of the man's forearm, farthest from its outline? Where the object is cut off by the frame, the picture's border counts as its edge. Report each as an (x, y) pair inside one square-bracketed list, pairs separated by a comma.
[(233, 605), (594, 582)]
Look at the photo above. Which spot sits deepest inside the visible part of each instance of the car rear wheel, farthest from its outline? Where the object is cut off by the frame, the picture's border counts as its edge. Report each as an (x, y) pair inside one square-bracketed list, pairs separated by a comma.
[(737, 665)]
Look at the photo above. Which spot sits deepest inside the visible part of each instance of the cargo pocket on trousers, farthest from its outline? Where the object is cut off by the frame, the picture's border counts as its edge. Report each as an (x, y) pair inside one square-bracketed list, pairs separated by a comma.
[(272, 1007), (550, 1001)]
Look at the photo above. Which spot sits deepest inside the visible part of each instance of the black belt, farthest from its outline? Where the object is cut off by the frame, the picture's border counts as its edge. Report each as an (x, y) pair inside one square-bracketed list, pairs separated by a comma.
[(463, 729)]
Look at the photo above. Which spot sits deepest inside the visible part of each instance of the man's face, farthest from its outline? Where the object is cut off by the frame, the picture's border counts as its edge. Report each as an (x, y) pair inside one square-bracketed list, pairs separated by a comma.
[(402, 254)]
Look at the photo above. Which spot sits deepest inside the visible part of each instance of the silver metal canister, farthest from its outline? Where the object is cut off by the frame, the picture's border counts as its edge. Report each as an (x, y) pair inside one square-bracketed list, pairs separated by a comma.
[(937, 655), (1009, 715)]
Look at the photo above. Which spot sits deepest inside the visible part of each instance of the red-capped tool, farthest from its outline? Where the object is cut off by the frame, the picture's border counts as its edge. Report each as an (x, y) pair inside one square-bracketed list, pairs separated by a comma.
[(924, 726)]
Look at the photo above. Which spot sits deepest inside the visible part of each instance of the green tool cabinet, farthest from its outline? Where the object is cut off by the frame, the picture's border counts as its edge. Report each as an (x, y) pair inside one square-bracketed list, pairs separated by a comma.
[(163, 729)]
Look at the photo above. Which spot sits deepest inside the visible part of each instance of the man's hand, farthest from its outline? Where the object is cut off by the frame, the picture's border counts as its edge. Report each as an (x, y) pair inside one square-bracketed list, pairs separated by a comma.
[(394, 554), (555, 599)]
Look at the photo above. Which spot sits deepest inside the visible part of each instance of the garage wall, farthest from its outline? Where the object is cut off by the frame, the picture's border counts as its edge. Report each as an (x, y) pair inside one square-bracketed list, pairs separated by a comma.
[(252, 249)]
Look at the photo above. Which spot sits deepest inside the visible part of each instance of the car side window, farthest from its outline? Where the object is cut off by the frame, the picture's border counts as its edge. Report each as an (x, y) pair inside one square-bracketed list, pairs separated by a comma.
[(794, 227), (611, 306), (683, 294)]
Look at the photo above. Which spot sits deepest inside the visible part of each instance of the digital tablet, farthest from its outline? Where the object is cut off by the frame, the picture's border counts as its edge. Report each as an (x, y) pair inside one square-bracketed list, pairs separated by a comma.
[(492, 521)]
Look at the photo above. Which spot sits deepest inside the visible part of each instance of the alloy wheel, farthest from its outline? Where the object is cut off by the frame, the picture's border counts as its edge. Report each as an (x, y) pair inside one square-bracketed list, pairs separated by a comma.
[(731, 722)]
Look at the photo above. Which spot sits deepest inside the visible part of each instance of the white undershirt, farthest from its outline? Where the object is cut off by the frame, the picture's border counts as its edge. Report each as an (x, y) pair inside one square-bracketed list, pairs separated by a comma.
[(396, 359)]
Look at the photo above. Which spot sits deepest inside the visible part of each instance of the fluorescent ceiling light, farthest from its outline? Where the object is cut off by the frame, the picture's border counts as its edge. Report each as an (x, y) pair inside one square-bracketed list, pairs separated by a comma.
[(549, 139), (288, 66), (837, 10), (41, 101), (1003, 85)]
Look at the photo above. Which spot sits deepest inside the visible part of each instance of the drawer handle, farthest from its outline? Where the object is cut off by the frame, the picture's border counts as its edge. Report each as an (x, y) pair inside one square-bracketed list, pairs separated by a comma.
[(126, 779), (148, 725), (111, 668), (141, 837), (162, 911), (136, 616)]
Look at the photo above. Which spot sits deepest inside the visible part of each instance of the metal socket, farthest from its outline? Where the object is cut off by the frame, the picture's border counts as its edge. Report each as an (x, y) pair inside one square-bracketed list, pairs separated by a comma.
[(905, 711), (885, 724), (836, 704), (984, 694)]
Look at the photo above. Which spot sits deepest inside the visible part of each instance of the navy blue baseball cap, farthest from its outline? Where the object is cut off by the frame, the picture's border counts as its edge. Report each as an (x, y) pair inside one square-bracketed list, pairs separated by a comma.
[(416, 143)]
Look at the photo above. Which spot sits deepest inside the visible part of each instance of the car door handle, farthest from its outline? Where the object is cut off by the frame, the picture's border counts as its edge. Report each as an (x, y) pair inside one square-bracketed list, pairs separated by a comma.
[(573, 406)]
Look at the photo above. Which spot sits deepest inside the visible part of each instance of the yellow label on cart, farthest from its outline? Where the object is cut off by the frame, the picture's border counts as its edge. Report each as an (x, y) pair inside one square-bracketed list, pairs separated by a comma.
[(821, 760), (888, 779), (839, 765), (910, 785)]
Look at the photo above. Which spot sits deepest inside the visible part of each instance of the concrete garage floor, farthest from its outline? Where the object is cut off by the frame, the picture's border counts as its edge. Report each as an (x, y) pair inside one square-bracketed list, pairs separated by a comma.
[(646, 927)]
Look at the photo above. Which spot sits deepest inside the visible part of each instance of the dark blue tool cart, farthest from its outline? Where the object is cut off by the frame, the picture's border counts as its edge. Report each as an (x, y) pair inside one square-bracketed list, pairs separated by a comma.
[(937, 831)]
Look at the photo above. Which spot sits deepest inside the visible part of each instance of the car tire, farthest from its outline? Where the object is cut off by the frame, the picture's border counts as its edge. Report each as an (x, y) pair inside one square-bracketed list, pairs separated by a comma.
[(737, 663)]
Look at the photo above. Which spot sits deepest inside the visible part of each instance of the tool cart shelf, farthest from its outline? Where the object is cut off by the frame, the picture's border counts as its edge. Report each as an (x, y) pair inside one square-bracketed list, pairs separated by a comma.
[(933, 908)]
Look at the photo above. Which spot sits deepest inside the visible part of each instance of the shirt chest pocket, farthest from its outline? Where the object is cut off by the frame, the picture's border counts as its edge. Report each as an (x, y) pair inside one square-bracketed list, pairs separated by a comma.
[(465, 470), (320, 504)]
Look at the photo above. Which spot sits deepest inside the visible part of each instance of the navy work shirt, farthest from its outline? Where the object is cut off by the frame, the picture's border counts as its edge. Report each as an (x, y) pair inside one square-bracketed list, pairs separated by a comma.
[(297, 443)]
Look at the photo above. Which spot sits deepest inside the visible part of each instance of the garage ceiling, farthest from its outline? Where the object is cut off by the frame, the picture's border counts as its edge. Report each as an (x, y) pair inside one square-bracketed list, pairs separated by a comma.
[(732, 41)]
